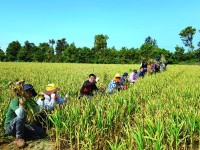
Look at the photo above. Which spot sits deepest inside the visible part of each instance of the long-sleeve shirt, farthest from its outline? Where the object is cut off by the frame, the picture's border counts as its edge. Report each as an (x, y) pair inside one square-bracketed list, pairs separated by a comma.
[(112, 86), (133, 78), (88, 88), (16, 110), (48, 102)]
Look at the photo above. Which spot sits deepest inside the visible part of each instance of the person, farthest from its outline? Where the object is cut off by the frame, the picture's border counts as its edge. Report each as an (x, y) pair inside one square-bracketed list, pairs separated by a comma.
[(141, 73), (133, 77), (124, 81), (115, 84), (156, 67), (144, 66), (150, 67), (17, 115), (50, 98), (165, 66), (89, 86)]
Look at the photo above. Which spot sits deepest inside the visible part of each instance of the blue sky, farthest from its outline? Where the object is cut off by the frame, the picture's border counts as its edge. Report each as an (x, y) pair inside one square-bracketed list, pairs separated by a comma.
[(126, 22)]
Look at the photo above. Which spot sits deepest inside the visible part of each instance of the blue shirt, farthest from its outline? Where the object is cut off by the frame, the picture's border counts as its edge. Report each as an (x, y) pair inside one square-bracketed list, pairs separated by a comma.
[(112, 86)]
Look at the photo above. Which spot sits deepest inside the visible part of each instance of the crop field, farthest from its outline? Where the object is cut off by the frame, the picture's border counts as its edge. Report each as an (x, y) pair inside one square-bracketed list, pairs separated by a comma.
[(161, 111)]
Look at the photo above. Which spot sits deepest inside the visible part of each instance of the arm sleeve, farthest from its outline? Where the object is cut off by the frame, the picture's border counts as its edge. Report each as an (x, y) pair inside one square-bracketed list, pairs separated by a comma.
[(60, 100), (14, 104), (19, 111)]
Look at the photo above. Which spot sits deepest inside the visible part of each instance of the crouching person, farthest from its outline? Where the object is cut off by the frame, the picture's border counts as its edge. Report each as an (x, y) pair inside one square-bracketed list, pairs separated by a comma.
[(17, 114), (124, 81), (89, 87), (133, 77), (48, 99), (115, 84)]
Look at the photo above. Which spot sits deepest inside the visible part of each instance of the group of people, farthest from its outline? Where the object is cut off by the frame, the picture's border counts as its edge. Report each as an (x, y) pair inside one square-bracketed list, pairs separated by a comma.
[(15, 122)]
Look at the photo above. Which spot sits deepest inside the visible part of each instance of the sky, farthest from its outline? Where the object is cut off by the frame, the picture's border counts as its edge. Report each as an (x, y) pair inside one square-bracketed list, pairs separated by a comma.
[(126, 22)]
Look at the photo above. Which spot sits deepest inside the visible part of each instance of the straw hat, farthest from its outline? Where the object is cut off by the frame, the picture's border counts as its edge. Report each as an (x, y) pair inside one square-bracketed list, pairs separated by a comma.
[(117, 75), (51, 88)]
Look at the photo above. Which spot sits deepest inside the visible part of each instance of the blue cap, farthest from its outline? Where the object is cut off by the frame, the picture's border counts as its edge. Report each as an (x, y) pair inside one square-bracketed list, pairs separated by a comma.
[(30, 88)]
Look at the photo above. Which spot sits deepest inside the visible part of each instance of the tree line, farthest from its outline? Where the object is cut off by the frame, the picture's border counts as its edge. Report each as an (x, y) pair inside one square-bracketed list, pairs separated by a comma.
[(61, 51)]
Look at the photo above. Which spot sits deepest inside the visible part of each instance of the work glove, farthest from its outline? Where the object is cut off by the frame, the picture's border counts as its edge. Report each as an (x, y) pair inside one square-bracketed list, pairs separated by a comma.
[(66, 96), (97, 79)]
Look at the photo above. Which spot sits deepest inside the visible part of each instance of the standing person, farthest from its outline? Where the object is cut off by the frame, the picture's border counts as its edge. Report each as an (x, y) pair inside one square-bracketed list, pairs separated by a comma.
[(17, 114), (133, 76), (156, 67), (50, 97), (150, 67), (165, 66), (89, 86), (144, 65), (115, 84)]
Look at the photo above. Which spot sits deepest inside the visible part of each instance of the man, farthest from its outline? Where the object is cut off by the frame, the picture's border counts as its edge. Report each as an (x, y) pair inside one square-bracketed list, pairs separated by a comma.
[(50, 98), (144, 65), (115, 84), (16, 116), (89, 86)]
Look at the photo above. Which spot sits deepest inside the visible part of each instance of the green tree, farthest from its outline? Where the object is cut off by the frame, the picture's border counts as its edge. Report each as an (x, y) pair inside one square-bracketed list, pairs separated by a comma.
[(71, 54), (12, 51), (100, 42), (43, 53), (197, 54), (27, 52), (151, 41), (179, 54), (85, 55), (187, 36), (146, 49), (60, 47), (2, 55), (198, 42), (52, 42)]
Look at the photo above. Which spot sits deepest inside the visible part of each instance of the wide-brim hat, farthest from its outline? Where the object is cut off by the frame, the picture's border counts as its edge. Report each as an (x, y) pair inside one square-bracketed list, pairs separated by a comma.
[(117, 75), (51, 88)]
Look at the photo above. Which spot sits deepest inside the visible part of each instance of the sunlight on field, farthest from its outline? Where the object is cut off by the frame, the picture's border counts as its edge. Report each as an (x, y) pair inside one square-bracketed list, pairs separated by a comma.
[(161, 111)]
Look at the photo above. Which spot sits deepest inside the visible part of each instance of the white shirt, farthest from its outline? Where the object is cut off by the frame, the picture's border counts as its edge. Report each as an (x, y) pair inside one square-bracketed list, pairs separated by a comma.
[(48, 103)]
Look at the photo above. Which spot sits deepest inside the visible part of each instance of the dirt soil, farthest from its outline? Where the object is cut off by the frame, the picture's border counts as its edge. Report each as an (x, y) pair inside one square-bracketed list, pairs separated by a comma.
[(43, 144)]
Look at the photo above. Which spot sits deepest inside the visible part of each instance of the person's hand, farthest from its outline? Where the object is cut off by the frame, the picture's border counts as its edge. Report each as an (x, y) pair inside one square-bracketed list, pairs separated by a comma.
[(41, 95), (21, 101), (101, 86), (66, 96), (97, 79)]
